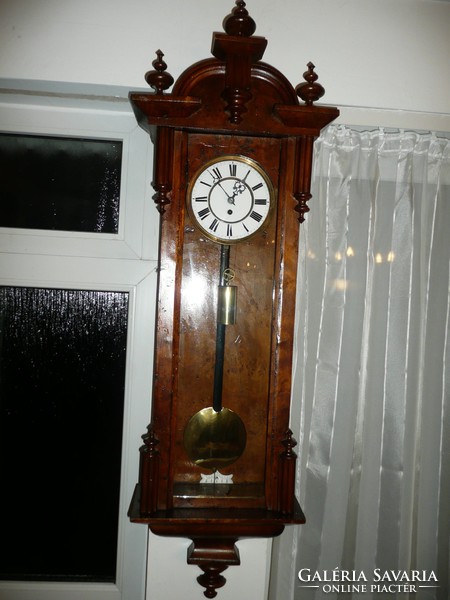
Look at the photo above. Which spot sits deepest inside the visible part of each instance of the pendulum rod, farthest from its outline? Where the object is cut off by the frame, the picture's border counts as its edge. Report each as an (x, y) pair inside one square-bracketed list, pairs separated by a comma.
[(220, 334)]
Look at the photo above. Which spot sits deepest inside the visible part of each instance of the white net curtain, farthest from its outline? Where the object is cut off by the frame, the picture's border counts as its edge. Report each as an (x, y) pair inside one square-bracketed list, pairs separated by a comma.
[(371, 384)]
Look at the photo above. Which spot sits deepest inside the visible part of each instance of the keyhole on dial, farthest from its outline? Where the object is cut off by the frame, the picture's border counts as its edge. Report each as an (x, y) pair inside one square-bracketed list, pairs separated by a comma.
[(229, 211)]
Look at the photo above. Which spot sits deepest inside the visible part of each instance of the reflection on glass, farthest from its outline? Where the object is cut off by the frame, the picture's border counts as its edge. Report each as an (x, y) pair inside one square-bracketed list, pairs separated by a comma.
[(390, 256), (62, 372), (195, 291), (57, 183)]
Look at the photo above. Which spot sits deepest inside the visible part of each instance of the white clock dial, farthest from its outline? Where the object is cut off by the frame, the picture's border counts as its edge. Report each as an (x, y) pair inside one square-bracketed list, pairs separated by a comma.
[(230, 198)]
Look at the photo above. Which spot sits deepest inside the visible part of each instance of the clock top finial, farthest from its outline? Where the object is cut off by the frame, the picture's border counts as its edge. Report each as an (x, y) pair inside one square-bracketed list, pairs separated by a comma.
[(159, 79), (310, 91), (239, 22)]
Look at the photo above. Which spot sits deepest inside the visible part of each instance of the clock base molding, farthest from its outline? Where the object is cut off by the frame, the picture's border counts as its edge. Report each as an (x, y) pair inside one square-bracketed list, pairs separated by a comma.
[(214, 534), (211, 523), (193, 495)]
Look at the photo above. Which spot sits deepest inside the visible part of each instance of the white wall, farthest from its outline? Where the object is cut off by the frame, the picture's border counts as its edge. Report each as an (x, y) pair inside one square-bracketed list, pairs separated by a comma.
[(390, 55)]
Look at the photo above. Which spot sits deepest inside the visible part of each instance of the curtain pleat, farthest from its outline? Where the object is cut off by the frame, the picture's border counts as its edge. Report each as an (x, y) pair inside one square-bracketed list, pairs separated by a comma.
[(371, 368)]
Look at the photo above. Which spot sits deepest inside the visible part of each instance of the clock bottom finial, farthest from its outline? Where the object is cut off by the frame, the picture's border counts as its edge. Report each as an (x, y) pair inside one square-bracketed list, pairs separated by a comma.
[(213, 561)]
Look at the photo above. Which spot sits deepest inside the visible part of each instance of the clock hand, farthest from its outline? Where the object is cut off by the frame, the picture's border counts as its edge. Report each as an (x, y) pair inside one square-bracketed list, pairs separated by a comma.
[(229, 198), (238, 188)]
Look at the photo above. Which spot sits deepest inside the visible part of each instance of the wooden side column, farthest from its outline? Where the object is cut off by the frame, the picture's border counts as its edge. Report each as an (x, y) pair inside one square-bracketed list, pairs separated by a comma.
[(149, 473), (162, 168), (302, 184), (287, 470)]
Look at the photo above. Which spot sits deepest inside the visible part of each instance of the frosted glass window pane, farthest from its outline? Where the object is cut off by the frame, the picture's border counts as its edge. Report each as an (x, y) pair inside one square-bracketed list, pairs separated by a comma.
[(62, 373), (58, 183)]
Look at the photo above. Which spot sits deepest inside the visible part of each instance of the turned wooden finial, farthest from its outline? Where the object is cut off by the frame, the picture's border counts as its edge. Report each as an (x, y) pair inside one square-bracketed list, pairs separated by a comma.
[(286, 490), (159, 79), (289, 444), (310, 91), (239, 22)]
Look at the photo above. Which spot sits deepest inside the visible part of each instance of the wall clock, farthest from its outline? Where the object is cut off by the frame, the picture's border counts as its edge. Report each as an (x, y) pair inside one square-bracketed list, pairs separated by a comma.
[(230, 198), (232, 169)]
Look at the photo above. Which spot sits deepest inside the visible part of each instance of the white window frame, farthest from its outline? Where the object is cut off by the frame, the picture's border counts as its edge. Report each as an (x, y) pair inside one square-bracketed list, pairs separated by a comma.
[(138, 225), (126, 261)]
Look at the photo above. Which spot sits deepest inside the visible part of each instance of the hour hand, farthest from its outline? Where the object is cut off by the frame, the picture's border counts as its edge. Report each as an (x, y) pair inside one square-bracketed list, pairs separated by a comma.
[(238, 188)]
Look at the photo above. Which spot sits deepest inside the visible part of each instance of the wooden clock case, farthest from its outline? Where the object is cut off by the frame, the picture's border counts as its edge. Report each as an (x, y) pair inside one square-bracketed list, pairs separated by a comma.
[(230, 104)]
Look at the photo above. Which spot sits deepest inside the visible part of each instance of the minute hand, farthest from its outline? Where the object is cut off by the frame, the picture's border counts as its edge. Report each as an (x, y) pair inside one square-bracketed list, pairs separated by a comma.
[(230, 198)]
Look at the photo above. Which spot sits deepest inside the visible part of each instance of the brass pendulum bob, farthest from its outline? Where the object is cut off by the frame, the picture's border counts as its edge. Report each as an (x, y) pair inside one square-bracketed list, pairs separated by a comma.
[(215, 437)]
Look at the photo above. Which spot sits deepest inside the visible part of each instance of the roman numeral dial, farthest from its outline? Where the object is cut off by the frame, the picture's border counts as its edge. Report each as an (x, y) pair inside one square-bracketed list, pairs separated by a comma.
[(230, 199)]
